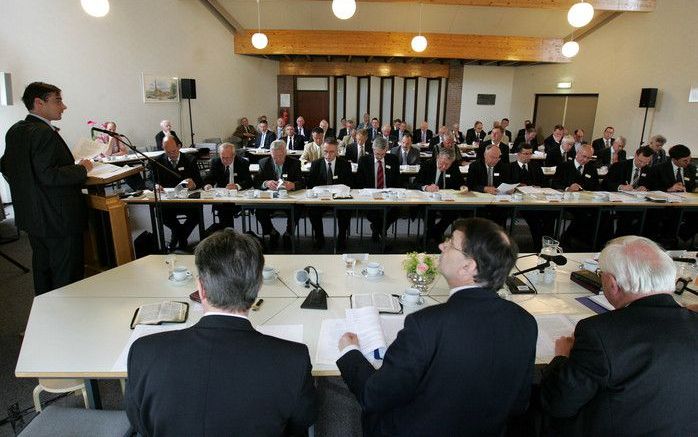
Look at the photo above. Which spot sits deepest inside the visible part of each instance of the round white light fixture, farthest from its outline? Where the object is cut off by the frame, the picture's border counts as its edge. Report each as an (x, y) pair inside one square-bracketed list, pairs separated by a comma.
[(580, 14), (570, 49), (419, 43), (343, 9), (259, 40), (96, 8)]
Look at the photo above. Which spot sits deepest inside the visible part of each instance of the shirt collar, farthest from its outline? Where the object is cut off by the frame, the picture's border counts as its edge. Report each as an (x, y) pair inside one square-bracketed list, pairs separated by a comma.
[(577, 163), (465, 287), (43, 119), (221, 313)]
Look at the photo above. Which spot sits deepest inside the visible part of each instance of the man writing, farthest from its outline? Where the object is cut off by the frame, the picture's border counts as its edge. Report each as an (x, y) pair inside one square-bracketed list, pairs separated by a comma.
[(461, 367), (46, 185)]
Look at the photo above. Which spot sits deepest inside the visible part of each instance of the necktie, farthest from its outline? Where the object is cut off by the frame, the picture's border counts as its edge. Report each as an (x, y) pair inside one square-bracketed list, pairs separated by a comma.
[(580, 169), (608, 143), (490, 177), (261, 142), (380, 177), (404, 158), (290, 143), (359, 152), (231, 174), (636, 176), (424, 137), (173, 163), (678, 175), (442, 179), (330, 179), (278, 171)]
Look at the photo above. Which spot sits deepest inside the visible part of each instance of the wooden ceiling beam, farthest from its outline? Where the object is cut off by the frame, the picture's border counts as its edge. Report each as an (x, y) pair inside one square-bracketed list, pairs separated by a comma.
[(599, 5), (397, 44), (597, 23), (380, 69), (222, 15)]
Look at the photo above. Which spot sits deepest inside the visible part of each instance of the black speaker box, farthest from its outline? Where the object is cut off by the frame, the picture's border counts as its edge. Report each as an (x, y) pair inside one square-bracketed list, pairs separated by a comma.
[(188, 88), (648, 97)]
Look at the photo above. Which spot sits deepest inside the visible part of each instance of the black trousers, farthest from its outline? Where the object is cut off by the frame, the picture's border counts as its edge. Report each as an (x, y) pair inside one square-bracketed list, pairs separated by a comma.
[(56, 262), (180, 231), (264, 219), (343, 219), (376, 219)]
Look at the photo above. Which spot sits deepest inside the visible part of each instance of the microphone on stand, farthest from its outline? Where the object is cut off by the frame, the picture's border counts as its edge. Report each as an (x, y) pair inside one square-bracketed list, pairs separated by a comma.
[(517, 286), (317, 298), (104, 131), (557, 259), (684, 260)]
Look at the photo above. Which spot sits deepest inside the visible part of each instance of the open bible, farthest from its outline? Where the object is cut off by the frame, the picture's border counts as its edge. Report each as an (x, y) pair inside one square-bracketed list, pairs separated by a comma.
[(163, 312)]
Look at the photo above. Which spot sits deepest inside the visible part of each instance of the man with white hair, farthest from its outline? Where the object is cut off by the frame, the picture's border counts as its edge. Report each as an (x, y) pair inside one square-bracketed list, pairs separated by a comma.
[(228, 170), (166, 130), (630, 371)]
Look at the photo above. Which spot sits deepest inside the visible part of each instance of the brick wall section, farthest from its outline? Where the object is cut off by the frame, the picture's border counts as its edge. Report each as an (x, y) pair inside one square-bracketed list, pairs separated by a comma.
[(453, 93), (284, 85)]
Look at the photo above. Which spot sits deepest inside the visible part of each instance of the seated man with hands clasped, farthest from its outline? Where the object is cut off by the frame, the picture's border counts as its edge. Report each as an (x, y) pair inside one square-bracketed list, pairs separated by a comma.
[(230, 171), (221, 377)]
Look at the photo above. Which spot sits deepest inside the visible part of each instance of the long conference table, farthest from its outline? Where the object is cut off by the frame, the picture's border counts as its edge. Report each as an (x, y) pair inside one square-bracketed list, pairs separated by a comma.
[(82, 330)]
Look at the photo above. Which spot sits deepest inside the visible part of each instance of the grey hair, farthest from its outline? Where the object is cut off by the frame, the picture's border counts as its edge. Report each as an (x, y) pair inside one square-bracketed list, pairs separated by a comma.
[(380, 143), (223, 146), (447, 153), (567, 139), (277, 144), (230, 269), (639, 265), (490, 146), (621, 139), (661, 139)]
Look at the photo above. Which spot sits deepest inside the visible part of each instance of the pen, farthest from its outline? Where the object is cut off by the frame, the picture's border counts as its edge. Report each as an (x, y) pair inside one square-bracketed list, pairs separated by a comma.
[(257, 304)]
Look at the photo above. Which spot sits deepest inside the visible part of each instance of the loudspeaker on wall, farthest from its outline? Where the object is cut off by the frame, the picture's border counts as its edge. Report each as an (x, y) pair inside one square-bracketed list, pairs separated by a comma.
[(648, 97), (5, 89), (188, 88)]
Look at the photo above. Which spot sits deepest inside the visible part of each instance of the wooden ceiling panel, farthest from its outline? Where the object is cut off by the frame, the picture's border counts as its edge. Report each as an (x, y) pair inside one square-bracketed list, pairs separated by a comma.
[(599, 5), (380, 69)]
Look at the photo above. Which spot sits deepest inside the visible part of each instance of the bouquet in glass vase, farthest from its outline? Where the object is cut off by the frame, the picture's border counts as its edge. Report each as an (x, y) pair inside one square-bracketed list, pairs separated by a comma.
[(421, 269)]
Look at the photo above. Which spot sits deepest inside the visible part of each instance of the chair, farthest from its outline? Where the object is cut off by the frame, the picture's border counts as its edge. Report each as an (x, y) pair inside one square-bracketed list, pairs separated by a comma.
[(58, 386), (60, 421)]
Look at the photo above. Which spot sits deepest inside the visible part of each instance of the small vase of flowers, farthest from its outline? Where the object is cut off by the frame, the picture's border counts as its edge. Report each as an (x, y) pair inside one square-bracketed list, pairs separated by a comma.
[(421, 270)]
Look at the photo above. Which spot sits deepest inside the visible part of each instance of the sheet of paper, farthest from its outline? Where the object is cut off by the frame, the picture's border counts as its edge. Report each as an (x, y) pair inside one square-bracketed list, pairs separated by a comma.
[(328, 340), (138, 332), (392, 324), (88, 149), (286, 332), (506, 188), (601, 300), (365, 322), (105, 171), (550, 328), (333, 189)]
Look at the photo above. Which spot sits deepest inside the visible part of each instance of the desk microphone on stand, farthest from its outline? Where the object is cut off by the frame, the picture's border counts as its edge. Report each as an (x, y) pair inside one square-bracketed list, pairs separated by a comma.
[(317, 298), (517, 286)]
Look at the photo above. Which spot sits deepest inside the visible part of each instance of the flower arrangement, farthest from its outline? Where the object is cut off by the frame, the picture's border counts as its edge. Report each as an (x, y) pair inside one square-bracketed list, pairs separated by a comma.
[(421, 264), (103, 137)]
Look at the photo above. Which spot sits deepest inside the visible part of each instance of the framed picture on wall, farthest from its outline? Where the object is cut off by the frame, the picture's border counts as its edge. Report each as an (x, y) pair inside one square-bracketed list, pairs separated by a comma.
[(158, 88)]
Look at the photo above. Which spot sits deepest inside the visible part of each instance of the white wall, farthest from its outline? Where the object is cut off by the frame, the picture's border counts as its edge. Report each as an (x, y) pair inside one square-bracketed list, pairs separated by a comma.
[(98, 62), (486, 80), (634, 51)]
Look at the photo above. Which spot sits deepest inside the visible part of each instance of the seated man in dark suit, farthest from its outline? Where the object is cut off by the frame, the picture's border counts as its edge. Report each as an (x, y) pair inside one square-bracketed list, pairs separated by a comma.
[(380, 170), (448, 142), (529, 138), (387, 135), (558, 155), (245, 132), (293, 141), (166, 129), (475, 134), (440, 173), (329, 170), (463, 367), (628, 371), (555, 139), (457, 133), (326, 129), (522, 132), (656, 142), (497, 133), (486, 174), (220, 376), (527, 172), (407, 155), (275, 172), (361, 147), (228, 170), (437, 140), (423, 134), (613, 154), (604, 142), (343, 131), (187, 173), (374, 130), (264, 136)]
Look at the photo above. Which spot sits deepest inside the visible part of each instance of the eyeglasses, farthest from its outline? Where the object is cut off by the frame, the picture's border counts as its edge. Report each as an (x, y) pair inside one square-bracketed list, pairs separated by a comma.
[(682, 285), (448, 242)]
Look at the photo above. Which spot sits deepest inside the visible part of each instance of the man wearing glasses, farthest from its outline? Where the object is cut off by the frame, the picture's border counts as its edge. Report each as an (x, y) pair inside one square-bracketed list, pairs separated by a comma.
[(461, 367), (630, 371)]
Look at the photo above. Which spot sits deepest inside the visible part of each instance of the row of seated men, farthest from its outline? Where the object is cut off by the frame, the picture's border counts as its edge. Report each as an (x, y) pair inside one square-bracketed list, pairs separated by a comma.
[(378, 167), (464, 367)]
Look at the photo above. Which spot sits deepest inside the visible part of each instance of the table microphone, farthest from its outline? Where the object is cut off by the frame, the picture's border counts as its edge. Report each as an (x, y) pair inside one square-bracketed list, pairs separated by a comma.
[(557, 259), (317, 298), (104, 131), (684, 260)]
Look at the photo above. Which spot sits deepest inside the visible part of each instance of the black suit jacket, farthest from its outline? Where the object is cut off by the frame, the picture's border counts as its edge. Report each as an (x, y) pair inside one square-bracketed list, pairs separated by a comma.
[(520, 140), (630, 372), (471, 135), (554, 156), (341, 171), (427, 176), (241, 171), (342, 133), (268, 138), (291, 172), (663, 176), (44, 181), (567, 174), (621, 173), (458, 368), (412, 155), (353, 149), (599, 144), (219, 377), (365, 174), (307, 132), (551, 144), (161, 135), (533, 177), (372, 135), (460, 138), (186, 168), (477, 175), (330, 133), (503, 147), (417, 136), (604, 157), (298, 142)]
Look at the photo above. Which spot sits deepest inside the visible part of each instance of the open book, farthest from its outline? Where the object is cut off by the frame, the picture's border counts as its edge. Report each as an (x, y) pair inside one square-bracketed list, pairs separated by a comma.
[(550, 328), (385, 303), (163, 312)]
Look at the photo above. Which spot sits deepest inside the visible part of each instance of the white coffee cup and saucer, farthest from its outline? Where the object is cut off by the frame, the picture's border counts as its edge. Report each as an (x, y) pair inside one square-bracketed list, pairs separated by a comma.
[(373, 271), (411, 297), (269, 274), (180, 275)]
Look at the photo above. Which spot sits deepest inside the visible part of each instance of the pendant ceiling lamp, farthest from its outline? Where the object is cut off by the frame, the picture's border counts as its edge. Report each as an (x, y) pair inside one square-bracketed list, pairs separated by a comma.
[(96, 8), (343, 9), (580, 14), (419, 42), (570, 49), (259, 40)]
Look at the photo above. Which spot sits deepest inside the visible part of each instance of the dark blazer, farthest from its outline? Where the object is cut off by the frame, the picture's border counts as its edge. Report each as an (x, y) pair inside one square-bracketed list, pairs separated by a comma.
[(291, 169), (353, 149), (621, 173), (417, 136), (554, 157), (521, 133), (427, 176), (219, 377), (241, 173), (477, 174), (468, 362), (533, 177), (567, 174), (460, 138), (330, 133), (268, 138), (520, 140), (44, 181), (604, 157), (341, 171), (412, 155), (306, 132), (342, 133), (630, 372), (503, 147), (371, 134), (551, 144), (471, 135), (298, 142), (365, 174), (599, 144), (664, 176), (186, 168), (161, 135)]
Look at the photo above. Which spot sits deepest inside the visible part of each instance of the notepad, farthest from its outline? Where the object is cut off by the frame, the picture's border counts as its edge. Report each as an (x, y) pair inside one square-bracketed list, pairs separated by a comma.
[(385, 303), (550, 328)]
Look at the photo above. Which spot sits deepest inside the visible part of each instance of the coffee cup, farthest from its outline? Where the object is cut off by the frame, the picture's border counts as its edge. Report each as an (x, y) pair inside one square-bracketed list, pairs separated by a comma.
[(411, 296), (373, 268), (517, 197), (591, 265), (269, 273), (283, 194), (249, 194), (181, 273)]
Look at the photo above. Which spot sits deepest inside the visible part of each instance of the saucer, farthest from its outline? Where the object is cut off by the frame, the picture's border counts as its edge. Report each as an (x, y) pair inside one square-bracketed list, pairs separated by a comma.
[(185, 281), (372, 277), (412, 304), (272, 279)]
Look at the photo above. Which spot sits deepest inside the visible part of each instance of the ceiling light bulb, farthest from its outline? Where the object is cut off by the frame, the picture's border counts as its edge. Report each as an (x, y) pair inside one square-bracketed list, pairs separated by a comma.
[(343, 9), (96, 8), (419, 43), (259, 40), (570, 49), (580, 14)]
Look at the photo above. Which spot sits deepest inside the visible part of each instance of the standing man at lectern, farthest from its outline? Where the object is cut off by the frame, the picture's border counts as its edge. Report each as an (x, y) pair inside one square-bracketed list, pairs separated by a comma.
[(46, 186)]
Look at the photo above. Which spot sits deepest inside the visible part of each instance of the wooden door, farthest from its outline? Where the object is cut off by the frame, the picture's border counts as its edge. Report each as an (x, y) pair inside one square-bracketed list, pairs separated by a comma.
[(313, 106), (574, 111)]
